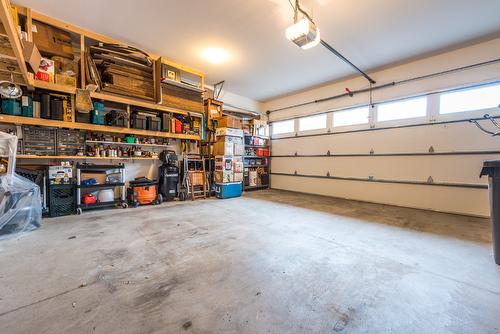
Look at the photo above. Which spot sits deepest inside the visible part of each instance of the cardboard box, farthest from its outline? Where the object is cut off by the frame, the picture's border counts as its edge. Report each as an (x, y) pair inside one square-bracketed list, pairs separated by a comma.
[(253, 178), (229, 122), (239, 149), (223, 148), (238, 177), (223, 163), (45, 70), (219, 132), (52, 40), (31, 55), (60, 175), (224, 176), (229, 145), (64, 79), (238, 164)]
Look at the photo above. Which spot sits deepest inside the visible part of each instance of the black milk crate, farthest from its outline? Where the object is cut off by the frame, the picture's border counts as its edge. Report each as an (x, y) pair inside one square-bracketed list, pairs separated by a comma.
[(39, 141), (69, 142), (62, 200)]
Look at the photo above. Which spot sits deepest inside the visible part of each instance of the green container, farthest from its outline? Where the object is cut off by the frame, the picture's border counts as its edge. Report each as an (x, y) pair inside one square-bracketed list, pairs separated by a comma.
[(129, 140), (11, 107), (27, 106)]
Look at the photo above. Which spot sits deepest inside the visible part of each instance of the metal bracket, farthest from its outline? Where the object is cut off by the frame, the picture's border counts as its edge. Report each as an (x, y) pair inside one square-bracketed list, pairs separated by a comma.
[(327, 174), (295, 173), (431, 149), (296, 154), (430, 179), (328, 153), (371, 178), (372, 151)]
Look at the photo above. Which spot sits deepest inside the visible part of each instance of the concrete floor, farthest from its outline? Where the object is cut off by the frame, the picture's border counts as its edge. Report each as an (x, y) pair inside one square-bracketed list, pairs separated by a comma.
[(270, 262)]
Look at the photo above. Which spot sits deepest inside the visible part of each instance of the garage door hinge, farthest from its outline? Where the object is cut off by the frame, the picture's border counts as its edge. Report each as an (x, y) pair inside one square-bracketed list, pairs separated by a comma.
[(431, 149), (372, 151), (430, 180), (371, 178), (295, 173), (328, 153), (327, 174)]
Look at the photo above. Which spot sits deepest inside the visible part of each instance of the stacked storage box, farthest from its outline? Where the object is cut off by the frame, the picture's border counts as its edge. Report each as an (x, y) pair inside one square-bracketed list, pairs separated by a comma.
[(228, 151)]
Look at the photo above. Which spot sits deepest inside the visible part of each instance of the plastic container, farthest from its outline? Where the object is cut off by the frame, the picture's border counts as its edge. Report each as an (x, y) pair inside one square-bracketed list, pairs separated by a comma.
[(62, 200), (228, 190), (106, 195), (11, 107), (491, 168)]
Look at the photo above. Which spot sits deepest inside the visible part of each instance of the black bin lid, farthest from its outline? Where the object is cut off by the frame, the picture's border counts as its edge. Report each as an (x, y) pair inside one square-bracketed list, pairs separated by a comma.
[(490, 168), (492, 163)]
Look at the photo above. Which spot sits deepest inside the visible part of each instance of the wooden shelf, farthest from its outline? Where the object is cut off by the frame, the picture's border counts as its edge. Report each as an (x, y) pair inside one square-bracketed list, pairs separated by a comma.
[(78, 157), (91, 142), (20, 120), (110, 97), (53, 86)]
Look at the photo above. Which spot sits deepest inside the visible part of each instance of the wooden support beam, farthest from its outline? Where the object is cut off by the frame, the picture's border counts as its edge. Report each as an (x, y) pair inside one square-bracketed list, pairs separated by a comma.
[(11, 29)]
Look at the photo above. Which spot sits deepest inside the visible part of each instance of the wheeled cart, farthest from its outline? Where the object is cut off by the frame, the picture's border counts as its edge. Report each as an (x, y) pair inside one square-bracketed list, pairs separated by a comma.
[(118, 173)]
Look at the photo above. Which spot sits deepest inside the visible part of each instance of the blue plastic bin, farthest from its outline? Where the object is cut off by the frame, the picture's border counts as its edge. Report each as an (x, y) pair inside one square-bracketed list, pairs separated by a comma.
[(11, 107), (228, 190)]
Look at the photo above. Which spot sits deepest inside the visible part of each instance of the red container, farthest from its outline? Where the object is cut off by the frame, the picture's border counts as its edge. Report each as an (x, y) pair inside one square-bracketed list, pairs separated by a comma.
[(178, 126), (42, 76), (89, 199), (263, 152)]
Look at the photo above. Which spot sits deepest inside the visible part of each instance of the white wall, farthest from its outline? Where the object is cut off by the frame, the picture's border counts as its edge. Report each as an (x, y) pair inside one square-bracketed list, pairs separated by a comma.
[(449, 137)]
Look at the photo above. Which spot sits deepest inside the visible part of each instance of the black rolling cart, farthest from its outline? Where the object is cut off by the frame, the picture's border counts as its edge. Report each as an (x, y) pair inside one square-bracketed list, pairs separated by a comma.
[(98, 169)]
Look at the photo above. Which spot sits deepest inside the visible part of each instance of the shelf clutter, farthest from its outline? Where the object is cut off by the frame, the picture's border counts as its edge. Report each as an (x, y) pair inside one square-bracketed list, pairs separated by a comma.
[(91, 104), (240, 150)]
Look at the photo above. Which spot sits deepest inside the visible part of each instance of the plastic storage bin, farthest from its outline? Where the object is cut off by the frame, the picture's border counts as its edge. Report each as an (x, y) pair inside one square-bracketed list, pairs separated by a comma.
[(11, 107), (491, 168), (228, 190)]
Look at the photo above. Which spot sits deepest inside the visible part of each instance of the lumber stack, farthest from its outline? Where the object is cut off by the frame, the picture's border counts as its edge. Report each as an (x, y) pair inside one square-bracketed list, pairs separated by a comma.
[(181, 98), (120, 70)]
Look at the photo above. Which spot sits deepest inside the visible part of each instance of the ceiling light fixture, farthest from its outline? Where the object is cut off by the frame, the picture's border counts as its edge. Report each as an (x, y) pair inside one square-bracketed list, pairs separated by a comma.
[(305, 34), (215, 55)]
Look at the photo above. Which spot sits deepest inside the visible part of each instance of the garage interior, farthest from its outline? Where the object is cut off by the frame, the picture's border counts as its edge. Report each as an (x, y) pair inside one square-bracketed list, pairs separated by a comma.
[(271, 166)]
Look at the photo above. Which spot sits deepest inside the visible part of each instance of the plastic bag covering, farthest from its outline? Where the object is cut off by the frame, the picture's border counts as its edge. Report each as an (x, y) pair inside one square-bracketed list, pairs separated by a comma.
[(20, 207)]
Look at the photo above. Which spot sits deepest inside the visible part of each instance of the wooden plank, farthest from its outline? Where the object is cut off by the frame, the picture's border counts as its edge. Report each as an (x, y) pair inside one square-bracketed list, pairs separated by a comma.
[(29, 24), (128, 70), (77, 157), (82, 61), (53, 86), (109, 97), (10, 28), (19, 120)]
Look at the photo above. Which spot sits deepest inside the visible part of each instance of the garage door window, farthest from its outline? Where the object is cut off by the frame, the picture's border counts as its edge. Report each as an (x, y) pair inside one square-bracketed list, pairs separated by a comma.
[(411, 108), (312, 122), (470, 100), (351, 117), (283, 127)]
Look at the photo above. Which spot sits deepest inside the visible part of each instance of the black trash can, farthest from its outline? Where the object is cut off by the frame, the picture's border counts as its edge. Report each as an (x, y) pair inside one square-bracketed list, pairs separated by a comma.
[(492, 169)]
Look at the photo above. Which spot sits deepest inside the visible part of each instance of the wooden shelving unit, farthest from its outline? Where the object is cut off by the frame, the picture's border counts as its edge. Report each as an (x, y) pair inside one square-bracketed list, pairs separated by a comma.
[(79, 157), (20, 120), (93, 142), (83, 35)]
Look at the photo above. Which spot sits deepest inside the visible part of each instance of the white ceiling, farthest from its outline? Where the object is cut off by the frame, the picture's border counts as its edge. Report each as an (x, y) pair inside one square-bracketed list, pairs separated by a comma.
[(263, 64)]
